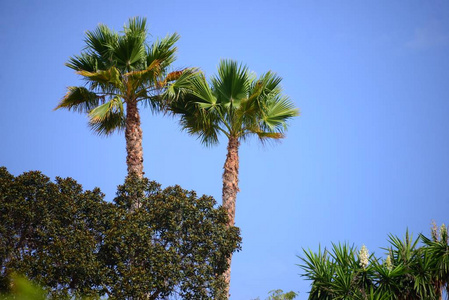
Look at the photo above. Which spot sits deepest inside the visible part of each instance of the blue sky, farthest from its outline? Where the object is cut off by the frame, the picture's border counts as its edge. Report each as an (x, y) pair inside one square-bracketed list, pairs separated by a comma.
[(368, 156)]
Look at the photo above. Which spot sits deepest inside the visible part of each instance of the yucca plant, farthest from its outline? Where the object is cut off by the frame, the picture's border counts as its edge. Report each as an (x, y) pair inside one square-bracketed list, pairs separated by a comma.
[(339, 273), (438, 249), (417, 280), (408, 272), (320, 270), (387, 277)]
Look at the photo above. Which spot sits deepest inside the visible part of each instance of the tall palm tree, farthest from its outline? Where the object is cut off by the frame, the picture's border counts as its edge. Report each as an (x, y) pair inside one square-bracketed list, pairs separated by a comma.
[(237, 105), (121, 70)]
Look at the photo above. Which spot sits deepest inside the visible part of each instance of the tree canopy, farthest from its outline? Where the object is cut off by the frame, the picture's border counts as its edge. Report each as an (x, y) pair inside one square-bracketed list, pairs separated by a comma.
[(73, 243), (236, 104)]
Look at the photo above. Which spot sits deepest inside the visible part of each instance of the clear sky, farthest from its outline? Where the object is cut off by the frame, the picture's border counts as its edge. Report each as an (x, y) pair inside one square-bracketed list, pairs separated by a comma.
[(368, 156)]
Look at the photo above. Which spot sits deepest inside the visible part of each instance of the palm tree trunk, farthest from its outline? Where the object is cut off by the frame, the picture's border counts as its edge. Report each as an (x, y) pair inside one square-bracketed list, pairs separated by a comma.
[(230, 190), (134, 152), (133, 136)]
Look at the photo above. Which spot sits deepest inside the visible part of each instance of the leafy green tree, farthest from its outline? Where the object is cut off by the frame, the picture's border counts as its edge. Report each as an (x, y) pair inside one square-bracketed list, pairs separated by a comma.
[(237, 105), (74, 244), (175, 243), (280, 295), (122, 70), (49, 232)]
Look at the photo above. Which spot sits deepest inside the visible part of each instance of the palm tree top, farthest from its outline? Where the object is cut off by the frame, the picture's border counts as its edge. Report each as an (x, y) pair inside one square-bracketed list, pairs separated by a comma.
[(235, 103), (119, 67), (127, 50)]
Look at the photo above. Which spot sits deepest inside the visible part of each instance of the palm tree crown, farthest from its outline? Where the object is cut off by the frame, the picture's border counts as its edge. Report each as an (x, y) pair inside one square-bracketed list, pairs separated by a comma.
[(121, 70), (236, 103)]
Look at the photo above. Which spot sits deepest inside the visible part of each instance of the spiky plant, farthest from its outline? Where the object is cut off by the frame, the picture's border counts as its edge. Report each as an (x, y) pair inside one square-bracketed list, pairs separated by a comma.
[(438, 249)]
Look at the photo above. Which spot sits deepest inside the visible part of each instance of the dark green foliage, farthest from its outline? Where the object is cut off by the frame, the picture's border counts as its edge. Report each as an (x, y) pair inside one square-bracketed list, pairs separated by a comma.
[(438, 249), (408, 272), (75, 244), (174, 235), (50, 232)]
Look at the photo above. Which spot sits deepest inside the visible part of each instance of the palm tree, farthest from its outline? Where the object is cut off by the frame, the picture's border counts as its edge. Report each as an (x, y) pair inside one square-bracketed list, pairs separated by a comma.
[(121, 70), (237, 105)]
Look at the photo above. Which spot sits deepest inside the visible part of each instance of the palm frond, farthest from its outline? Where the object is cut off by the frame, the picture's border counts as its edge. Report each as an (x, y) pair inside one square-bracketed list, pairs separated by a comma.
[(108, 117), (163, 50), (113, 123), (79, 99), (276, 112), (172, 76), (129, 51), (201, 124), (136, 26), (269, 136), (100, 42), (232, 83), (139, 77), (101, 112), (174, 85), (266, 84), (271, 81), (85, 62), (201, 89), (105, 77)]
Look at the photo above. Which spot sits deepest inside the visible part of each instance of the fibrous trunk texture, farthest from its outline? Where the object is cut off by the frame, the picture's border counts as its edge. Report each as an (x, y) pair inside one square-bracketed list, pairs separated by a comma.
[(230, 190), (134, 152), (133, 136)]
